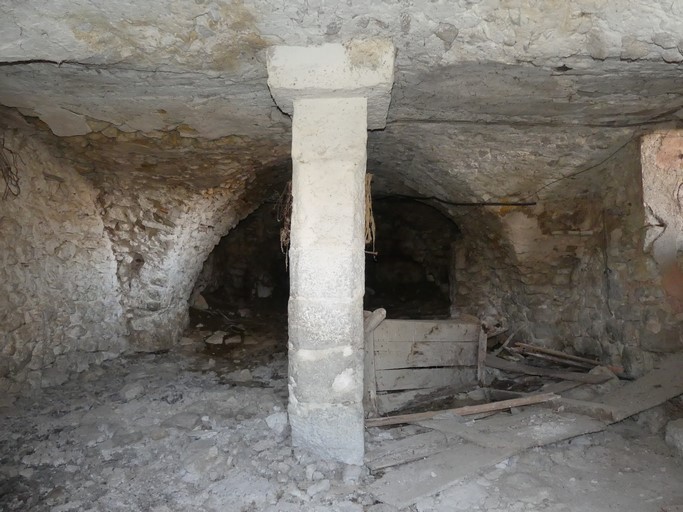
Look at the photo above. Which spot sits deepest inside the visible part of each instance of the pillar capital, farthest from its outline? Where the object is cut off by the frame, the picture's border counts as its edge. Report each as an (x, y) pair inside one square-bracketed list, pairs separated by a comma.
[(359, 68)]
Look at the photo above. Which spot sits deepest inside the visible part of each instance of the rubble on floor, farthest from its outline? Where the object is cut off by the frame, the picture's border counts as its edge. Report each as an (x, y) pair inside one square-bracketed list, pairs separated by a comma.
[(200, 429)]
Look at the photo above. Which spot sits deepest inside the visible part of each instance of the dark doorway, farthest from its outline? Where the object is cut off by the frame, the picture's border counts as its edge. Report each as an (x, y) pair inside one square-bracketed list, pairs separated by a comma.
[(409, 274)]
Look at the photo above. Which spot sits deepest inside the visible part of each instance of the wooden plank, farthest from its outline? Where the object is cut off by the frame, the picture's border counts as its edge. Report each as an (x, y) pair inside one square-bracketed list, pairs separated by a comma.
[(462, 411), (369, 377), (408, 449), (372, 320), (427, 330), (578, 359), (509, 366), (415, 354), (481, 356), (595, 410), (656, 387), (424, 378), (407, 484), (553, 359), (495, 442), (530, 428)]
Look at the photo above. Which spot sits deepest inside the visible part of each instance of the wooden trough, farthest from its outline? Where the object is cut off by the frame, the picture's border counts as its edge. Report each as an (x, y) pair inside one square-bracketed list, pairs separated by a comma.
[(405, 359)]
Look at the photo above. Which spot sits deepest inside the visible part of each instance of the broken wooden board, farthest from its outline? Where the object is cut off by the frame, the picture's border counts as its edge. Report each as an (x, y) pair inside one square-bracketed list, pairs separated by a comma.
[(403, 486), (509, 366), (408, 449), (656, 387), (595, 410), (564, 357), (530, 428), (461, 411), (497, 438), (488, 442)]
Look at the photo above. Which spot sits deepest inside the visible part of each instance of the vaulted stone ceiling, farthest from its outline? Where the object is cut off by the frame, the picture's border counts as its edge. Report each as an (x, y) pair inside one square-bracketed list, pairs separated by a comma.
[(493, 100)]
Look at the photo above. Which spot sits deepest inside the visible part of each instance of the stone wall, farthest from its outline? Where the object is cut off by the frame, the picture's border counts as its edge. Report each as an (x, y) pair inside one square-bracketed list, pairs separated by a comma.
[(161, 237), (59, 296), (485, 276), (540, 270), (580, 275), (101, 260)]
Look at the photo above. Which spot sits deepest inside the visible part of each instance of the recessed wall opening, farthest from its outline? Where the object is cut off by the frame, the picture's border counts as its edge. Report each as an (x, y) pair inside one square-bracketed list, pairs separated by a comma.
[(244, 282), (408, 274)]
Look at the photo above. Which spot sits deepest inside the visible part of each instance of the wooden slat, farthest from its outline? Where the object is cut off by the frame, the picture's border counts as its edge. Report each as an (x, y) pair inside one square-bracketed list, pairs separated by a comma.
[(417, 354), (481, 356), (423, 378), (369, 377), (427, 330), (592, 363)]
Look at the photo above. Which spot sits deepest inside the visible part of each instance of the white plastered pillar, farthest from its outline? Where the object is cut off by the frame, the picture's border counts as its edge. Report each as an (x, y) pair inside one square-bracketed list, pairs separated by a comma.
[(334, 93)]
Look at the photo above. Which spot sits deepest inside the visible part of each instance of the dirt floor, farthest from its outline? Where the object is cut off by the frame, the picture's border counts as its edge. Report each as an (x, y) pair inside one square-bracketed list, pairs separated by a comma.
[(205, 428)]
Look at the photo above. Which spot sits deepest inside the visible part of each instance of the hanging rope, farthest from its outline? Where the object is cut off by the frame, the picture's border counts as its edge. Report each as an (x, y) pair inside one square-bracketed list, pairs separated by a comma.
[(8, 171), (369, 217), (283, 208)]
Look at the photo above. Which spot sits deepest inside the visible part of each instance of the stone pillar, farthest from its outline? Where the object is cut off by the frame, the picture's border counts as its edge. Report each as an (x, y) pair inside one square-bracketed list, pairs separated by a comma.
[(334, 93)]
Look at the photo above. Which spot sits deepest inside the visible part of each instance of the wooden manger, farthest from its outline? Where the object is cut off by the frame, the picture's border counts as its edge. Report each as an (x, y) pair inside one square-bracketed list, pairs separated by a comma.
[(406, 359)]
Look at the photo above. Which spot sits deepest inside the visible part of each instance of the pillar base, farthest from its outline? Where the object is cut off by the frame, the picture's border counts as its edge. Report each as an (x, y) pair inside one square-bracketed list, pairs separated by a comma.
[(330, 431)]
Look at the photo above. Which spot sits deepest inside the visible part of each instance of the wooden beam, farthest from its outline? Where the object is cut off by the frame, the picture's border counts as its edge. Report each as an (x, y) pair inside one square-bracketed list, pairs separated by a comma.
[(525, 347), (509, 366)]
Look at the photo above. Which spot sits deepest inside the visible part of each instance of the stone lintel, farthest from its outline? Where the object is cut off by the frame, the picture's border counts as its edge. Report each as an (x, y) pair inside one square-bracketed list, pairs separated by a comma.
[(359, 68)]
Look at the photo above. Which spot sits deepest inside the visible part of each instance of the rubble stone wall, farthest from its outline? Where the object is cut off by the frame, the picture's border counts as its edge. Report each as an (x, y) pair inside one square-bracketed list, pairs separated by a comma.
[(580, 275), (60, 307), (161, 238)]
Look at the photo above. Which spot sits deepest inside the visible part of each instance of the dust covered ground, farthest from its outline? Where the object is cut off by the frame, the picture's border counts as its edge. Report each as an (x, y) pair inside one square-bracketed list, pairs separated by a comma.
[(205, 428)]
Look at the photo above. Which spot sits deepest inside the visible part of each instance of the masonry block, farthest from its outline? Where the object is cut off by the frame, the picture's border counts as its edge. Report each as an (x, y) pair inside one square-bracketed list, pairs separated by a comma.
[(332, 375), (326, 272), (318, 323), (331, 431)]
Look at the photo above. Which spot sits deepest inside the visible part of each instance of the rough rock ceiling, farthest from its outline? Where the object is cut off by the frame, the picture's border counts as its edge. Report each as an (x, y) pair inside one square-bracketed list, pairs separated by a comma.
[(492, 100)]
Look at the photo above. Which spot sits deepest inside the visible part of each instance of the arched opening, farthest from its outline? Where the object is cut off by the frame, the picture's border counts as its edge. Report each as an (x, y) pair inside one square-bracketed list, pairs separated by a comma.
[(246, 276), (408, 270)]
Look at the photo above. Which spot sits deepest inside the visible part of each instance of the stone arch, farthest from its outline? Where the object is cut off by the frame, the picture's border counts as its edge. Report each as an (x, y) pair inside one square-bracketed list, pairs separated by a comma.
[(485, 276), (163, 236)]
